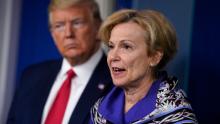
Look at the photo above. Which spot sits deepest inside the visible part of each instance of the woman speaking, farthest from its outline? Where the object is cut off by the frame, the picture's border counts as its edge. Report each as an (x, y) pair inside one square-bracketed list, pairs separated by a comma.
[(141, 43)]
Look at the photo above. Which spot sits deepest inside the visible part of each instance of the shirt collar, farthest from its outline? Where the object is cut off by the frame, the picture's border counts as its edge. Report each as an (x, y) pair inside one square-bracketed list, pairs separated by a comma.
[(83, 69)]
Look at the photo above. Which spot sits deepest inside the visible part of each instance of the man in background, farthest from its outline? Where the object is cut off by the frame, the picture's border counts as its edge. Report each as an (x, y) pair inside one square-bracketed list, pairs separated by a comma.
[(62, 91)]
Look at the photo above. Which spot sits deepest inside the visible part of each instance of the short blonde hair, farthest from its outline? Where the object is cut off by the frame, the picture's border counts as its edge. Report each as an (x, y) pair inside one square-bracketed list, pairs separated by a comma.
[(160, 34), (62, 4)]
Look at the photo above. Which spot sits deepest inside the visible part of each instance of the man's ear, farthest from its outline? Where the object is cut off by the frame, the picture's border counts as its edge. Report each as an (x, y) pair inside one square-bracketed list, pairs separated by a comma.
[(98, 25), (156, 58)]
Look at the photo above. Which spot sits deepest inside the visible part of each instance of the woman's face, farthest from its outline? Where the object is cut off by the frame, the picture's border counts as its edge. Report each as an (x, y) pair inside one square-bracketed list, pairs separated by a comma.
[(128, 59)]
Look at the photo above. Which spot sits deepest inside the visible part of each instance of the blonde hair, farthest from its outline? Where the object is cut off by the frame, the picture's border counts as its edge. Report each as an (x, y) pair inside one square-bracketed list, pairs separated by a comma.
[(62, 4), (160, 34)]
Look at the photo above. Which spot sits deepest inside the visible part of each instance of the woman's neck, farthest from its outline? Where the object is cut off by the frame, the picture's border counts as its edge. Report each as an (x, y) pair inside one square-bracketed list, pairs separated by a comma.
[(135, 94)]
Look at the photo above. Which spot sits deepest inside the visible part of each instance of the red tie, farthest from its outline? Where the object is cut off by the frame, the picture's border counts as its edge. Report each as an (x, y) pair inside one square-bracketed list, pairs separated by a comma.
[(57, 110)]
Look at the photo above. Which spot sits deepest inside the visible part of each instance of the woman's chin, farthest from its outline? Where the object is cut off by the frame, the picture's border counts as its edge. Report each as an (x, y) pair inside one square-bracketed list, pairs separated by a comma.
[(119, 83)]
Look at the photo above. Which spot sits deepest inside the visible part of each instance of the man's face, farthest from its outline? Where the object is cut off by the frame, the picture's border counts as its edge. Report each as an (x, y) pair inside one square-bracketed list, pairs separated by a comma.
[(74, 31)]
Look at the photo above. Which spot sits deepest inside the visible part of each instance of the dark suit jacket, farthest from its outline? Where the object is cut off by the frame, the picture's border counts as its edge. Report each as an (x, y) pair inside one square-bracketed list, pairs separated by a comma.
[(36, 82)]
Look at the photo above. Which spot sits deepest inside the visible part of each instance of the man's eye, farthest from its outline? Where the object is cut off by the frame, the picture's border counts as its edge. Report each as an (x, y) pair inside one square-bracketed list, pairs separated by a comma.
[(78, 24), (58, 27)]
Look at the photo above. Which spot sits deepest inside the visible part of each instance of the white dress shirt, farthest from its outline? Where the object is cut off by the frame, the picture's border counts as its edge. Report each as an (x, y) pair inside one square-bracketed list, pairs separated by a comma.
[(83, 73)]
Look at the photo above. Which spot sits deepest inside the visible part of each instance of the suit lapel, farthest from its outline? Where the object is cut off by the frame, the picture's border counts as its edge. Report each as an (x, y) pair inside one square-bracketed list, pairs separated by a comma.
[(100, 78), (43, 86)]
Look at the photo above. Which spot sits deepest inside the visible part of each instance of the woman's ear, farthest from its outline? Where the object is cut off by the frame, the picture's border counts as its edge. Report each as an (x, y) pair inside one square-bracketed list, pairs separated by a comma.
[(156, 57)]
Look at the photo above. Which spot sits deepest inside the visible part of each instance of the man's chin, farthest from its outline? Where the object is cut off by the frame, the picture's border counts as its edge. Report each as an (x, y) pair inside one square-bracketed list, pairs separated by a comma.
[(76, 59), (73, 54)]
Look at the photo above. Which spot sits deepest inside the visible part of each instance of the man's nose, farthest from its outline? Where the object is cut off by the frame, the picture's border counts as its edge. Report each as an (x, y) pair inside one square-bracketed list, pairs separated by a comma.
[(69, 31)]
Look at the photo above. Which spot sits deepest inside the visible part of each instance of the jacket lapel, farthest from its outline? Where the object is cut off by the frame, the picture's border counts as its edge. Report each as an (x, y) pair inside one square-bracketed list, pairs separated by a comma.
[(44, 84), (96, 86)]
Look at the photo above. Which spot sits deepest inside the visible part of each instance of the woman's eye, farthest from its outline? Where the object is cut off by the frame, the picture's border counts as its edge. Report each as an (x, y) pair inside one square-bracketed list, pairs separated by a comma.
[(110, 46), (126, 46)]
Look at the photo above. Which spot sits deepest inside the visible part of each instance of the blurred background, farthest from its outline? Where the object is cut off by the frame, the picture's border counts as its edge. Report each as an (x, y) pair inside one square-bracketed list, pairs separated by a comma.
[(25, 40)]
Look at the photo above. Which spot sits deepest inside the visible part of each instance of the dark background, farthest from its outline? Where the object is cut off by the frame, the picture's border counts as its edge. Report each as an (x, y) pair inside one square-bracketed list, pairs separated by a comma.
[(204, 72)]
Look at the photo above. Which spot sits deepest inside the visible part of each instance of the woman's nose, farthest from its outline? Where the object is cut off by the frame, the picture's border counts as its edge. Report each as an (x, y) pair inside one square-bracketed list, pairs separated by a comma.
[(113, 55)]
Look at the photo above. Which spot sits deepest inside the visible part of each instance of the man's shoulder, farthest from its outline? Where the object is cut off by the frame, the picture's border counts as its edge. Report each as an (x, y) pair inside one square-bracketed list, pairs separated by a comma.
[(45, 65), (42, 68)]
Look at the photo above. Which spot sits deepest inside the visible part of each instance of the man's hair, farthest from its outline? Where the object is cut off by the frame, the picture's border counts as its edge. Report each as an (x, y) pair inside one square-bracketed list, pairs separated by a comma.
[(62, 4)]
